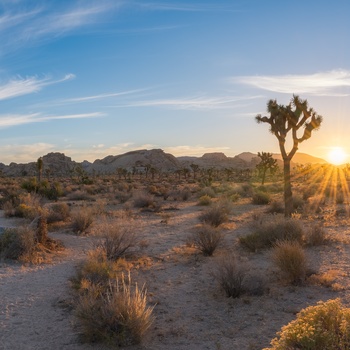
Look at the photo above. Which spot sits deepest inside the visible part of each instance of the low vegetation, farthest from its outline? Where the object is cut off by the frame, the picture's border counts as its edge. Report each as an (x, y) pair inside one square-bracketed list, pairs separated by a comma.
[(265, 234), (324, 326), (118, 316)]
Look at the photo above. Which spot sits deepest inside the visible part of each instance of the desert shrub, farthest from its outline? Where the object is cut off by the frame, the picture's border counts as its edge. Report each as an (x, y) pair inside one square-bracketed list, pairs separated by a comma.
[(204, 200), (216, 214), (206, 238), (58, 212), (144, 200), (230, 276), (79, 195), (276, 207), (29, 206), (298, 202), (325, 326), (265, 234), (185, 194), (244, 190), (118, 317), (309, 191), (17, 243), (261, 198), (117, 237), (122, 197), (82, 219), (30, 185), (95, 270), (339, 198), (207, 191), (289, 257), (52, 192), (316, 235)]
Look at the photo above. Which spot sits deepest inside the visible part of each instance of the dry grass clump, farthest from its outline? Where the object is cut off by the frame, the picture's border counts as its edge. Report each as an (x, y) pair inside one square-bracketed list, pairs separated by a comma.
[(261, 198), (95, 270), (119, 317), (58, 212), (204, 200), (230, 276), (290, 258), (206, 238), (276, 207), (265, 234), (216, 214), (144, 200), (117, 237), (315, 236), (82, 219), (325, 326)]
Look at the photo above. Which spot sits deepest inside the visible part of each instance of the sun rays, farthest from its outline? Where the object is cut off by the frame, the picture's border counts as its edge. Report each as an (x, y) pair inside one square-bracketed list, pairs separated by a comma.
[(324, 183)]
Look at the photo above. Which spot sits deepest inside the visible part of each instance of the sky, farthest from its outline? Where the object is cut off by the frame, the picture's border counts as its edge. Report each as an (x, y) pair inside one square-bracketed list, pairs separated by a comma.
[(97, 78)]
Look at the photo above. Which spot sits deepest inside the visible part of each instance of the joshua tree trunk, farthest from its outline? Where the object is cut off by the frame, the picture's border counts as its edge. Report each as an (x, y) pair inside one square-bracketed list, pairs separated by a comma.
[(288, 197)]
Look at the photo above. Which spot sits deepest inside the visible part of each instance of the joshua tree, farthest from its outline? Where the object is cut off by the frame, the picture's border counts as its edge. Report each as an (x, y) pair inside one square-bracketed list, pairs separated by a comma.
[(195, 168), (39, 165), (290, 119), (266, 163)]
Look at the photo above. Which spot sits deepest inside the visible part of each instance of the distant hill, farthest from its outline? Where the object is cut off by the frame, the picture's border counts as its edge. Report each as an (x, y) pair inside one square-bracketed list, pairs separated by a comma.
[(303, 158), (57, 164)]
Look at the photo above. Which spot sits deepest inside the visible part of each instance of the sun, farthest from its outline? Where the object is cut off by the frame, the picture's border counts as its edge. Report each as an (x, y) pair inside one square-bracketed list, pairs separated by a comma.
[(337, 156)]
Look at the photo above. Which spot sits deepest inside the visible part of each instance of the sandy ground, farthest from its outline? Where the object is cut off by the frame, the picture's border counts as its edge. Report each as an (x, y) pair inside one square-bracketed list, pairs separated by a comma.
[(191, 312)]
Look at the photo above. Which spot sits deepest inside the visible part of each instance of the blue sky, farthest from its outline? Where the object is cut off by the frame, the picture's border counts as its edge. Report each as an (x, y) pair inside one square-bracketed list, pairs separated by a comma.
[(97, 78)]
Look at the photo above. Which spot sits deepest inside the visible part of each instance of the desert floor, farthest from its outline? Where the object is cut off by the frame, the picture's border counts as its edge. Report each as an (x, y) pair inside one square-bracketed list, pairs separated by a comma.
[(191, 312)]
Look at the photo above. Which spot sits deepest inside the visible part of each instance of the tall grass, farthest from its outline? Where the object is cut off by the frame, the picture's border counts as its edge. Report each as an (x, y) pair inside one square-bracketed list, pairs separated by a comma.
[(118, 317)]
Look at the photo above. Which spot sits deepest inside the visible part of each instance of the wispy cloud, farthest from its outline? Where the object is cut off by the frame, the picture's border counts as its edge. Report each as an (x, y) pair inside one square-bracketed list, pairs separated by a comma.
[(323, 83), (11, 120), (177, 6), (22, 86), (103, 96), (31, 22), (194, 103)]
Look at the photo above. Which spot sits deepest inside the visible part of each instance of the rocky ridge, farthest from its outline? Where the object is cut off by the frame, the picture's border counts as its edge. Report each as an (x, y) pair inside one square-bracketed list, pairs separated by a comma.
[(57, 164)]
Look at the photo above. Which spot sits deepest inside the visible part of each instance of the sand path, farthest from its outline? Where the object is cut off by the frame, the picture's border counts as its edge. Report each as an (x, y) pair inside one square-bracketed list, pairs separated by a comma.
[(33, 312)]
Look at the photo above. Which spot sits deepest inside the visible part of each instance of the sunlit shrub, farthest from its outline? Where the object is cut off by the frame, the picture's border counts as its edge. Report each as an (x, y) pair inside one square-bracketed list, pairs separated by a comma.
[(325, 326)]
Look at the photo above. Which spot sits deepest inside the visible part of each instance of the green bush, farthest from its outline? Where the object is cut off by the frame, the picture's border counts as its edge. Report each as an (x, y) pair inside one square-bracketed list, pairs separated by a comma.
[(325, 326), (265, 234)]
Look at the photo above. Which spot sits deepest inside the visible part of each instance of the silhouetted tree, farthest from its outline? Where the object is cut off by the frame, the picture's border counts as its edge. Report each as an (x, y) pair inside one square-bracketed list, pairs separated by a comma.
[(266, 163), (195, 168), (39, 166), (286, 120)]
